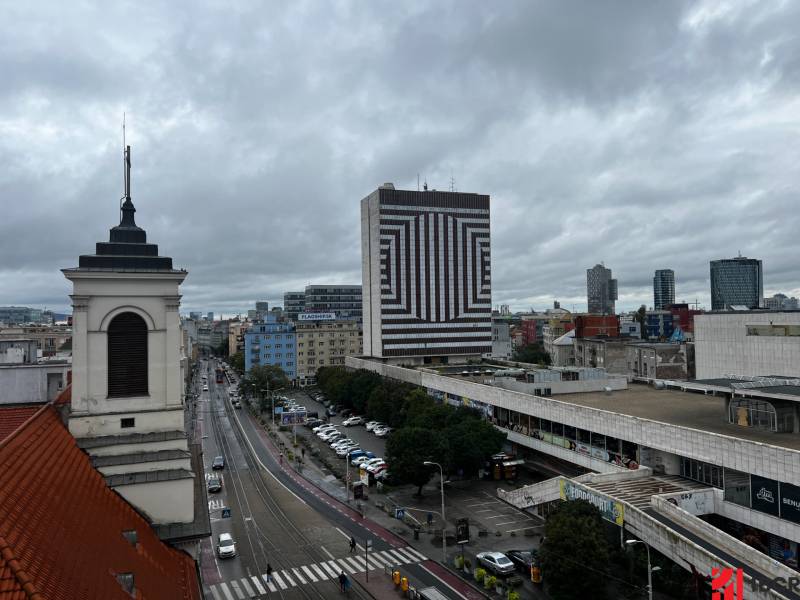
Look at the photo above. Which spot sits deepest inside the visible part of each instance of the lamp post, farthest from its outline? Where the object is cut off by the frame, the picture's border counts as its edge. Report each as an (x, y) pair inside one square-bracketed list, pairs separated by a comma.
[(429, 463), (650, 569)]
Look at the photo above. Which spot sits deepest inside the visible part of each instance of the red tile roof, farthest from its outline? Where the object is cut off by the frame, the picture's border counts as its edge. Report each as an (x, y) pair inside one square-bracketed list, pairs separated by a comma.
[(65, 397), (11, 417), (61, 526)]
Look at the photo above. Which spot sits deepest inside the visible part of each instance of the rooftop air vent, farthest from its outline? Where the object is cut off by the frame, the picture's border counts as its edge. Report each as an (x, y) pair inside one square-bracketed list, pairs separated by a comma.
[(126, 581), (131, 536)]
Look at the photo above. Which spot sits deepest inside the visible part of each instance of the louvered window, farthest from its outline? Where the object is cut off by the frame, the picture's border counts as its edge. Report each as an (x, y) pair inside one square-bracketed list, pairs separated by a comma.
[(127, 356)]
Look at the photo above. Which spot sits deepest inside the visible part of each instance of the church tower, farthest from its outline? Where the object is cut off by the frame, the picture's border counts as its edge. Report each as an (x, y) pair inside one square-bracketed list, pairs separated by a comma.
[(127, 394)]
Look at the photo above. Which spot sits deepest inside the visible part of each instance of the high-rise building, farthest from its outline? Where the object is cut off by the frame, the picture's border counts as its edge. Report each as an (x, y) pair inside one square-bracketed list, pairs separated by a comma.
[(780, 302), (344, 300), (601, 290), (294, 303), (663, 288), (737, 281), (426, 265)]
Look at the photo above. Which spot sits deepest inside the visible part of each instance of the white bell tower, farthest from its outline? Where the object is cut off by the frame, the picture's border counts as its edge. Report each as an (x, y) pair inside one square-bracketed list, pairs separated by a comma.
[(127, 395)]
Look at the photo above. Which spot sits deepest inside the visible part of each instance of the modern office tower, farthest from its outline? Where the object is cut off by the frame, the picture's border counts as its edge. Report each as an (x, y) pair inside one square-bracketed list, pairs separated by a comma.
[(427, 275), (663, 288), (294, 303), (601, 290), (780, 302), (737, 281), (344, 300)]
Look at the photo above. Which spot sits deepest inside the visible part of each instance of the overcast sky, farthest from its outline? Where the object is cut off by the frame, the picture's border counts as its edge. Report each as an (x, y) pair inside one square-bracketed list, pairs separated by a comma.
[(643, 134)]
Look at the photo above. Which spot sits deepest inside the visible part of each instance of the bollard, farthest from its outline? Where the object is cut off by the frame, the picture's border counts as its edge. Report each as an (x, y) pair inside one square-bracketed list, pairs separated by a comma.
[(404, 584), (396, 577), (416, 533)]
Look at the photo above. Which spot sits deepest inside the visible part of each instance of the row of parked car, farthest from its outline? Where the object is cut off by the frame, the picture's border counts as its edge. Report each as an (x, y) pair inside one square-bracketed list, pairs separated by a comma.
[(376, 427), (349, 449), (501, 563)]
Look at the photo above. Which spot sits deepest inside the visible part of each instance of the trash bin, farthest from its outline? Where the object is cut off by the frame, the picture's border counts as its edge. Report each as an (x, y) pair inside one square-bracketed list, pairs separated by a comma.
[(416, 533)]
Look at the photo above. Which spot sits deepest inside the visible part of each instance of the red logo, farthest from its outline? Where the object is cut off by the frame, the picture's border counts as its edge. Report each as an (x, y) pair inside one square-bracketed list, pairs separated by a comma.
[(728, 583)]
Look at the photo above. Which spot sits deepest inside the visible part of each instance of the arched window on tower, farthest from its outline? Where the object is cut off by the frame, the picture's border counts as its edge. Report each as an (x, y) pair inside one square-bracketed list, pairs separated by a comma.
[(127, 356)]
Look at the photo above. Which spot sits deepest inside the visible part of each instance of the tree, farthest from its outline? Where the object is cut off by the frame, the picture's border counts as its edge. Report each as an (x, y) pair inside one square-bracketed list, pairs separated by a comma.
[(575, 552), (468, 442), (236, 361), (406, 451), (640, 316), (265, 377), (532, 353), (222, 349)]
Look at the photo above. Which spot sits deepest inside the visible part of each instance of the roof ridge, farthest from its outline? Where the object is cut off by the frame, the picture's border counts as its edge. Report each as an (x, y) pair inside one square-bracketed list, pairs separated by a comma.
[(24, 580), (4, 442)]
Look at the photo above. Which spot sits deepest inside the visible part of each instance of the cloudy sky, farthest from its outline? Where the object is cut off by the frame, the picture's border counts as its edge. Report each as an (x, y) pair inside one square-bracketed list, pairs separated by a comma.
[(643, 134)]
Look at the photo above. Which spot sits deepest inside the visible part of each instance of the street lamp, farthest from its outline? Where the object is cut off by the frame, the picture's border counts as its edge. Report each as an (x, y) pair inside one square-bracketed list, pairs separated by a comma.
[(650, 569), (429, 463)]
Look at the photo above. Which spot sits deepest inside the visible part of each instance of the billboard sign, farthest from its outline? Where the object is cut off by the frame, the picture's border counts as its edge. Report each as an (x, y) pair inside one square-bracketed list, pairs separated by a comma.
[(290, 418), (610, 509), (317, 316)]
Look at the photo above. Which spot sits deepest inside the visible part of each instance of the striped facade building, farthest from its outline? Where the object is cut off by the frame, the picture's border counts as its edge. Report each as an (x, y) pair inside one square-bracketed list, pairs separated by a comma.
[(426, 264)]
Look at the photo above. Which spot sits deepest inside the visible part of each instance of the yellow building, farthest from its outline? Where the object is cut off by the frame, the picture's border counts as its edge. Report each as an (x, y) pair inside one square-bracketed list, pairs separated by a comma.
[(324, 343)]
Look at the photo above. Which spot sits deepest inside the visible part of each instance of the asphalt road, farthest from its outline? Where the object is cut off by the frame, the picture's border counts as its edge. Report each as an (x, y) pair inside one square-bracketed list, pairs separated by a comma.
[(280, 518)]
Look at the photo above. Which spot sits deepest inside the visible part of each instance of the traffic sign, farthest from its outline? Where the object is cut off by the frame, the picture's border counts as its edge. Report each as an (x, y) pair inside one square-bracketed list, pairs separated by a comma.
[(399, 513), (462, 531), (226, 512)]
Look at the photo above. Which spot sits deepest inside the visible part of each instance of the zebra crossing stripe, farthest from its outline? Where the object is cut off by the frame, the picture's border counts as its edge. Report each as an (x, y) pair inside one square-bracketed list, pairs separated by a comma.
[(272, 587), (215, 593), (332, 572), (299, 576), (320, 572), (309, 574), (357, 564), (278, 580), (402, 552), (226, 591), (288, 578), (414, 552), (235, 587), (374, 563), (382, 562), (346, 565), (258, 585), (247, 588)]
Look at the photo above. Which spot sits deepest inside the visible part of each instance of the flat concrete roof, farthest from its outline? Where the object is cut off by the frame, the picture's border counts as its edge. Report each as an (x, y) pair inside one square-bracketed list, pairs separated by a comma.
[(684, 409)]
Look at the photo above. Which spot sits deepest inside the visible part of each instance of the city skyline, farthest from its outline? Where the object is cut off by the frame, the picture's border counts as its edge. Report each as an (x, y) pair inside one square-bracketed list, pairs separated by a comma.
[(621, 153)]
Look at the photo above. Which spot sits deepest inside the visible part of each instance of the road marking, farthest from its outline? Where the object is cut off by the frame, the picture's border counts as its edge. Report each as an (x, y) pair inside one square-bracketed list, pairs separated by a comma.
[(320, 572), (346, 565), (215, 593), (278, 580), (524, 528), (288, 578), (237, 589), (325, 550), (247, 587), (414, 552), (510, 522), (272, 587), (396, 557), (407, 555), (443, 582), (226, 591), (356, 564), (299, 576), (258, 585), (309, 574), (374, 563), (382, 562)]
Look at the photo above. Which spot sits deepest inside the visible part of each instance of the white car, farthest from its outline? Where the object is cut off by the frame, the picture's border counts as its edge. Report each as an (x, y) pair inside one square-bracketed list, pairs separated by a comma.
[(353, 421), (378, 466), (343, 442), (372, 462), (345, 450), (331, 435), (383, 432), (323, 427), (372, 425), (326, 432), (359, 460), (205, 388), (226, 548), (496, 562)]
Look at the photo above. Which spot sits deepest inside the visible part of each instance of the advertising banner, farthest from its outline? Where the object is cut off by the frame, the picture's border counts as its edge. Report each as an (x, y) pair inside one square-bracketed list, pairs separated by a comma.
[(611, 510), (316, 316), (790, 502), (764, 495)]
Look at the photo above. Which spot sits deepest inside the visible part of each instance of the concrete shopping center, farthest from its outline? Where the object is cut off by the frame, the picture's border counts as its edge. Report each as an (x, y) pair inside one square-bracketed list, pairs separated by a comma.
[(703, 471)]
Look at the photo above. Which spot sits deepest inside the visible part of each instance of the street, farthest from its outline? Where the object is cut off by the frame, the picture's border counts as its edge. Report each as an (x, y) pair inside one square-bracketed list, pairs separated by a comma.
[(278, 518)]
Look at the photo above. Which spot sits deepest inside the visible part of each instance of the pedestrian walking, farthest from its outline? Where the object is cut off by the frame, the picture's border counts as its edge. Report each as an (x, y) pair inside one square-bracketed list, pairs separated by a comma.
[(303, 452), (280, 458), (352, 544), (342, 581), (269, 572), (430, 520)]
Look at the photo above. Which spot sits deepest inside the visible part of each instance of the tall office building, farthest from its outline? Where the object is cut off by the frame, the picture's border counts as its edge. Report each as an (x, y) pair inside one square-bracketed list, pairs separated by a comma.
[(737, 281), (344, 300), (294, 303), (601, 290), (427, 275), (663, 288)]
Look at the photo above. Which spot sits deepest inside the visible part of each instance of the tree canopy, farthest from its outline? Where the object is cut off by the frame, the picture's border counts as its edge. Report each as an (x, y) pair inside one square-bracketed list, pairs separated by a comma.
[(236, 361), (575, 552), (265, 377), (533, 354)]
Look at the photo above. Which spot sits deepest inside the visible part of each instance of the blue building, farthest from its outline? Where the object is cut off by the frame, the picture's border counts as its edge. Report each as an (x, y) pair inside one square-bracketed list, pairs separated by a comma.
[(271, 343), (658, 324)]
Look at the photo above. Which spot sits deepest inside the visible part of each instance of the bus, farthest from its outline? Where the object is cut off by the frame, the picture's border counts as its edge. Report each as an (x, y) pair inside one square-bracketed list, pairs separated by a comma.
[(220, 374)]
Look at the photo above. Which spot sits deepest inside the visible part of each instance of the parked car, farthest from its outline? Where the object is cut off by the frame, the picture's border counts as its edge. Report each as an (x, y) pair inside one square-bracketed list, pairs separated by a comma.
[(313, 422), (373, 467), (205, 388), (358, 456), (378, 426), (330, 412), (342, 442), (347, 412), (331, 435), (371, 425), (356, 420), (343, 451), (237, 404), (226, 548), (523, 560), (496, 562), (322, 426), (383, 432), (218, 463), (214, 484)]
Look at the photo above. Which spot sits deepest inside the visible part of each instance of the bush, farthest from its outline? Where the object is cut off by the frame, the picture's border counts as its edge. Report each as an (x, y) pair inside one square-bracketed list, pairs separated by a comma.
[(480, 574), (512, 595), (489, 582), (459, 562)]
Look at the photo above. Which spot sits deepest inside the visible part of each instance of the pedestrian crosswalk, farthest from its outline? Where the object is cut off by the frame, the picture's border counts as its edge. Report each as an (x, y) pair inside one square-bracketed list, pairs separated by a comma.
[(256, 586)]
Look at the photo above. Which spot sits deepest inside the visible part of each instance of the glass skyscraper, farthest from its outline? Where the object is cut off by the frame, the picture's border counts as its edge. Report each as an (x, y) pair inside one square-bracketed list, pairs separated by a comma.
[(736, 281), (601, 290), (663, 288)]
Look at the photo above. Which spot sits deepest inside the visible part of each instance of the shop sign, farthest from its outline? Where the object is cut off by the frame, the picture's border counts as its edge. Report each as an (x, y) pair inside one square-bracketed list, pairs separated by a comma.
[(764, 495), (790, 502), (611, 510)]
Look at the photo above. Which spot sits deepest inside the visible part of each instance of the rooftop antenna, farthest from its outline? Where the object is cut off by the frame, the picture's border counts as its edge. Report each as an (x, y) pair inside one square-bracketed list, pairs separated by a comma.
[(417, 181), (124, 169), (452, 182), (425, 186)]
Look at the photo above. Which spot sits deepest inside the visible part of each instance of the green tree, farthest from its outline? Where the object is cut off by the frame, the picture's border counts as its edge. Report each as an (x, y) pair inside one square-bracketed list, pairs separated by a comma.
[(265, 377), (468, 442), (575, 552), (532, 353), (222, 349), (236, 361), (640, 316), (406, 451)]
